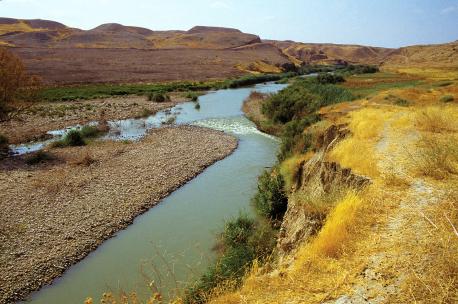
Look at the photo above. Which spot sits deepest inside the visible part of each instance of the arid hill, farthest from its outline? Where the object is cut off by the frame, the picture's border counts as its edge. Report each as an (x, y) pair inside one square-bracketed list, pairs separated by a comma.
[(117, 53), (42, 33), (314, 53), (439, 55)]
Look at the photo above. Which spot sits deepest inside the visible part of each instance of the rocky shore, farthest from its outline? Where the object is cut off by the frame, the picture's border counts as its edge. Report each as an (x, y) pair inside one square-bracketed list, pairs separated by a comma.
[(54, 213)]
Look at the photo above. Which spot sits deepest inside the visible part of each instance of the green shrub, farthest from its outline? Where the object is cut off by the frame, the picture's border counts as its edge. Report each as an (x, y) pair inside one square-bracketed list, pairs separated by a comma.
[(38, 157), (328, 78), (238, 231), (302, 98), (293, 138), (243, 240), (72, 138), (197, 106), (447, 98), (158, 97), (271, 201), (89, 131)]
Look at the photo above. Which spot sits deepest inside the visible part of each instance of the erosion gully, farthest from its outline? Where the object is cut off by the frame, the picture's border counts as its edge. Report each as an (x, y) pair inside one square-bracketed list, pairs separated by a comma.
[(172, 244)]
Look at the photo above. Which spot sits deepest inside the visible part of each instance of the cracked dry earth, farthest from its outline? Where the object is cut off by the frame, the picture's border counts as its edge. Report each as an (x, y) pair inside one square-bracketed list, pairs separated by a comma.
[(393, 244), (52, 215)]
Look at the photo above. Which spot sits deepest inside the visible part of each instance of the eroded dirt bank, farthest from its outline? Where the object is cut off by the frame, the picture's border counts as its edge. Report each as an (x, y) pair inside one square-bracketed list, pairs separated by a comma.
[(54, 214)]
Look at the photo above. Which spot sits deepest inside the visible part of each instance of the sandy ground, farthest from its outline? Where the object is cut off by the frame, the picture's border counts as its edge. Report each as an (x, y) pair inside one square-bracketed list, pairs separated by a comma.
[(53, 214), (34, 122)]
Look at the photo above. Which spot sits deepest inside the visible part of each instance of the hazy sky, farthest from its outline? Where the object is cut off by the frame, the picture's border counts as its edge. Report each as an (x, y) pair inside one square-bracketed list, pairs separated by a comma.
[(390, 23)]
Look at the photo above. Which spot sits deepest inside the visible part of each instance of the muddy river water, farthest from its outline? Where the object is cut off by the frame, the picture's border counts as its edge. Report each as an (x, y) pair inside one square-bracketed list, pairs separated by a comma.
[(171, 244)]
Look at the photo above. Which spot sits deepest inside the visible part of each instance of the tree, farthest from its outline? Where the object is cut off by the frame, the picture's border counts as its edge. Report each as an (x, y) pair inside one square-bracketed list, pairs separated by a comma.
[(15, 83)]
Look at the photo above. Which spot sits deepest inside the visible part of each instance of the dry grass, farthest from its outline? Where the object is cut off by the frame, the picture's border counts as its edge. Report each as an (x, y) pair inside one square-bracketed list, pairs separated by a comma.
[(357, 151), (322, 269), (289, 168), (437, 119), (338, 229), (437, 156), (437, 280), (258, 67), (442, 73)]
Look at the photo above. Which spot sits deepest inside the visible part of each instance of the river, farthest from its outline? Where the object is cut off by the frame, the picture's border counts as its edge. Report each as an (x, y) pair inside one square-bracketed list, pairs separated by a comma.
[(171, 244)]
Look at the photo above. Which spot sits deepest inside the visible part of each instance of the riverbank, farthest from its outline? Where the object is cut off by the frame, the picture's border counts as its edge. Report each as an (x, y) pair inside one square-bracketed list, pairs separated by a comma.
[(57, 212), (33, 123)]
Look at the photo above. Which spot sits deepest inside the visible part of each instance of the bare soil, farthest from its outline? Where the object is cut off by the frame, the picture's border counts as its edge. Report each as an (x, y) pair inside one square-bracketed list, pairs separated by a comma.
[(55, 213), (93, 65)]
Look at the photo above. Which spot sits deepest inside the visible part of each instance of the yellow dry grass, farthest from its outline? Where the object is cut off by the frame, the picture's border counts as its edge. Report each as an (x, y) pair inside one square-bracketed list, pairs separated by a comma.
[(338, 229), (258, 67), (437, 119), (20, 26), (357, 151), (322, 269), (439, 73)]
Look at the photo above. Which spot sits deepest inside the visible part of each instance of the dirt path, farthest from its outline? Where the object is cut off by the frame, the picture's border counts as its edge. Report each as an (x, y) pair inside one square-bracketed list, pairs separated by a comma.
[(53, 215), (392, 245)]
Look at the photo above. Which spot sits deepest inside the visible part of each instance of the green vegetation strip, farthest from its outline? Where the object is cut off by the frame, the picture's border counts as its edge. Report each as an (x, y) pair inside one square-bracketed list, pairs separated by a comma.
[(108, 90)]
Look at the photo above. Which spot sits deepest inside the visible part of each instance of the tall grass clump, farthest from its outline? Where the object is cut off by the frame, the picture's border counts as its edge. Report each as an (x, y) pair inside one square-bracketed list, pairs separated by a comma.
[(436, 156), (339, 227), (437, 119)]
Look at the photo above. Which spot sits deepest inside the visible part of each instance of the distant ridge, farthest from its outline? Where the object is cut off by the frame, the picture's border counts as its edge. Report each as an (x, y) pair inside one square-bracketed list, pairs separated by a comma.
[(114, 52)]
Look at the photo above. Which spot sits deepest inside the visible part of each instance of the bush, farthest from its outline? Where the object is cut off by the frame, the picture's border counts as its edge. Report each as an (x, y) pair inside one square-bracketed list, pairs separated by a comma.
[(38, 157), (197, 106), (90, 131), (238, 231), (302, 98), (293, 139), (329, 78), (158, 97), (271, 200), (447, 98), (72, 138)]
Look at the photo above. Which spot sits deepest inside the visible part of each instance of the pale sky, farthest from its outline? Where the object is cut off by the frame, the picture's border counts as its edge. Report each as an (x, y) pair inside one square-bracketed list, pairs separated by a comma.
[(389, 23)]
